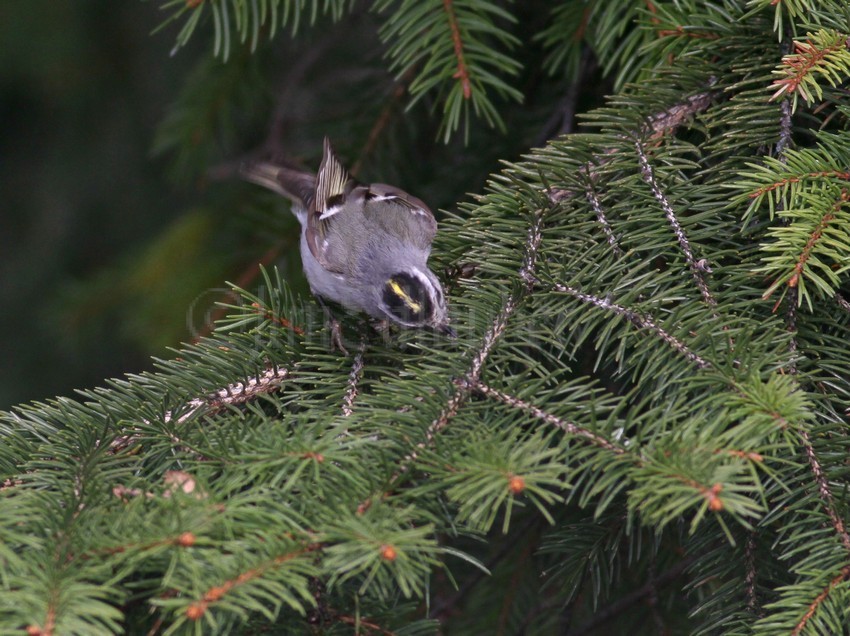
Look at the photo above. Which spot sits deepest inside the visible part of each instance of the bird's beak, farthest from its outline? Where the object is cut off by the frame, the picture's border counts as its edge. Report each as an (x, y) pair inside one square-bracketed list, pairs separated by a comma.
[(447, 331)]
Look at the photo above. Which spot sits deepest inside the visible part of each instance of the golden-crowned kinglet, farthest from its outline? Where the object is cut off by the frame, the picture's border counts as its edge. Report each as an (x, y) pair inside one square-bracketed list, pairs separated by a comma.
[(365, 247)]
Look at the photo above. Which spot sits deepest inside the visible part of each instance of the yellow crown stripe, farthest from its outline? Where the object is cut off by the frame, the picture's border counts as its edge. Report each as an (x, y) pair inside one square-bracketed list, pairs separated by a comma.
[(414, 306)]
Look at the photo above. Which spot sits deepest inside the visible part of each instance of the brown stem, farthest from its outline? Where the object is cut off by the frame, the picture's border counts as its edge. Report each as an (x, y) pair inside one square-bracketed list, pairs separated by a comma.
[(462, 73), (813, 607)]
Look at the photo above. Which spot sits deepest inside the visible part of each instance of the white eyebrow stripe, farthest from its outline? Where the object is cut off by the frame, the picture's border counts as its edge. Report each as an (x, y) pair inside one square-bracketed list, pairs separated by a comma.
[(413, 209), (330, 212), (422, 278)]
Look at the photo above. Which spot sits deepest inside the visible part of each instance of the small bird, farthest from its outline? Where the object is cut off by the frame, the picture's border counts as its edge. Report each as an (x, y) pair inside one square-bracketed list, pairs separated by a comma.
[(365, 247)]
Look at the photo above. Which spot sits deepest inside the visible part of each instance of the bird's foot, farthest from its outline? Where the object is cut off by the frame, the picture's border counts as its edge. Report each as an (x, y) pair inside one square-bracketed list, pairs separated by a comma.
[(382, 328), (336, 336), (334, 327)]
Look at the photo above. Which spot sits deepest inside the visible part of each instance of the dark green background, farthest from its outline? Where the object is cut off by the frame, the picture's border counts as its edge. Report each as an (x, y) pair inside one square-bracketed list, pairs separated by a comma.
[(82, 89)]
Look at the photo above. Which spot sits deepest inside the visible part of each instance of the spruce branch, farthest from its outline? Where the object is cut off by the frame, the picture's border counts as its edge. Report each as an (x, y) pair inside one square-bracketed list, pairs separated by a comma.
[(697, 269), (822, 56), (593, 199), (785, 129), (232, 394), (656, 125), (793, 177), (674, 30), (667, 121), (658, 430), (785, 182), (751, 576), (842, 302), (807, 249), (462, 72), (642, 321), (47, 627), (568, 427), (354, 377), (458, 50), (360, 624), (243, 281), (824, 490), (241, 21), (843, 576), (199, 607), (805, 255)]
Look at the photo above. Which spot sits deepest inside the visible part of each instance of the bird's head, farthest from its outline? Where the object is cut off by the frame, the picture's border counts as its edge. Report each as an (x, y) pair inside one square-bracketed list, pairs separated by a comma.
[(414, 298)]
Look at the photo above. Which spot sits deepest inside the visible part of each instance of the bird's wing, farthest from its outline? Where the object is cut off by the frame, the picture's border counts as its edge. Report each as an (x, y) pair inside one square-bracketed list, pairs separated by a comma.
[(401, 215), (330, 218)]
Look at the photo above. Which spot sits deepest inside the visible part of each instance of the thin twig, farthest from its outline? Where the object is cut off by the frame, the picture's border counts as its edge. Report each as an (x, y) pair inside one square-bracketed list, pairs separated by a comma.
[(652, 597), (564, 425), (384, 119), (593, 199), (813, 607), (668, 120), (641, 321), (360, 623), (462, 73), (656, 126), (785, 138), (290, 83), (697, 271), (354, 380), (751, 576), (842, 302), (824, 490), (233, 394), (561, 121)]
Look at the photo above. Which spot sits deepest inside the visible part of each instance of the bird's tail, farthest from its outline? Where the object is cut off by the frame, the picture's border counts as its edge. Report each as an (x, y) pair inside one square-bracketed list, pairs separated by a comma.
[(296, 185)]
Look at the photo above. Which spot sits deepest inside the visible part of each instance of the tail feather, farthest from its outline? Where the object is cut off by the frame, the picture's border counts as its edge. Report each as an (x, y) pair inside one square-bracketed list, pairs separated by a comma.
[(298, 186)]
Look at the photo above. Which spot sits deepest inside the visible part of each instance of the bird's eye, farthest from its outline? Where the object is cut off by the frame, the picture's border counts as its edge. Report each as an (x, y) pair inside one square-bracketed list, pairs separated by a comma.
[(406, 299)]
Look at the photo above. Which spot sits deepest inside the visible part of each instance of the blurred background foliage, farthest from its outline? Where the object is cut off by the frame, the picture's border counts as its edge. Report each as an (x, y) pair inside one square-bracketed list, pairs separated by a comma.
[(122, 217)]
